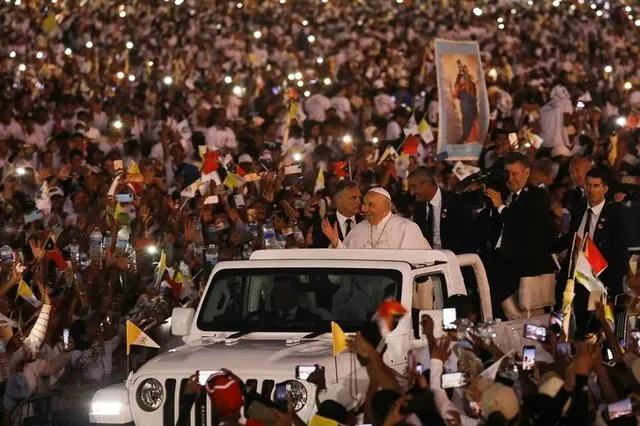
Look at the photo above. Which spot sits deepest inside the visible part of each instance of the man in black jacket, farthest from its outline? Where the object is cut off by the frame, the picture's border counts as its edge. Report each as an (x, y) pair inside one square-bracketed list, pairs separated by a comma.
[(348, 200), (606, 224), (523, 247), (444, 218)]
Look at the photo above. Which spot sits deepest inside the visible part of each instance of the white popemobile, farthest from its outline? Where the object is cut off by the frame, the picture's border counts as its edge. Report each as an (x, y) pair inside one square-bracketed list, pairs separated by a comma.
[(268, 318)]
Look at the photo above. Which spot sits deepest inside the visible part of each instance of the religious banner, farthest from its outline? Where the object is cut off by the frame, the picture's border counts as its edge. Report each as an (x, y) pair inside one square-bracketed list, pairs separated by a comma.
[(463, 102)]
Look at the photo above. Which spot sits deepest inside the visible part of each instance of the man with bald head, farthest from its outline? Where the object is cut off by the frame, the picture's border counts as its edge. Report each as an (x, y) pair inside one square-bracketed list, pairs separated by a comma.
[(382, 229)]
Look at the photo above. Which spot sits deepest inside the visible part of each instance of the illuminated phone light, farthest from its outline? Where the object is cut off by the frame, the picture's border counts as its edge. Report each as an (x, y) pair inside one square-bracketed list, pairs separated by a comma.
[(122, 14), (319, 60), (307, 93), (89, 44), (39, 55), (168, 80), (311, 38), (22, 67), (228, 80), (150, 64), (347, 138), (305, 23), (152, 249), (300, 83), (477, 11), (327, 81), (621, 121), (21, 171), (628, 85), (129, 45), (132, 78), (120, 75), (298, 75), (257, 34), (117, 124)]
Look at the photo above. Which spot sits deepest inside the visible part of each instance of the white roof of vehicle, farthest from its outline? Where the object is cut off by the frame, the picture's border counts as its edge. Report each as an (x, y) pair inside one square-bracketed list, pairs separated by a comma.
[(413, 257)]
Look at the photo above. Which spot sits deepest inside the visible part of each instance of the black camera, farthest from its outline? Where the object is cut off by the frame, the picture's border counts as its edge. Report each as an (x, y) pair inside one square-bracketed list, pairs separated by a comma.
[(492, 178)]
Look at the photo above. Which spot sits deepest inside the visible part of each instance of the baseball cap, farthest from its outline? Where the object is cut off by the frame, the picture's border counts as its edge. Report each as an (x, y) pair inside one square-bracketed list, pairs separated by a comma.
[(500, 398)]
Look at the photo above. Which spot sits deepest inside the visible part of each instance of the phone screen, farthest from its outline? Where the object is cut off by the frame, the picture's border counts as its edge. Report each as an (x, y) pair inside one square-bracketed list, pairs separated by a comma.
[(203, 376), (534, 332), (528, 357), (448, 318), (565, 349), (280, 394), (65, 338), (419, 368), (453, 380), (124, 198), (619, 409), (304, 371)]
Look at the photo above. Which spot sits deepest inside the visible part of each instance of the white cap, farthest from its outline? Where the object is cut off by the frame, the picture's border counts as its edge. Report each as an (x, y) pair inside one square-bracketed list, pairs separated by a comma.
[(245, 158), (380, 190)]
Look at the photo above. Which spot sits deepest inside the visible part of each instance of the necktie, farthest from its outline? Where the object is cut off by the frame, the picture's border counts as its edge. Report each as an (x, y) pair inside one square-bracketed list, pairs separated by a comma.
[(348, 222), (514, 197), (587, 223), (429, 228)]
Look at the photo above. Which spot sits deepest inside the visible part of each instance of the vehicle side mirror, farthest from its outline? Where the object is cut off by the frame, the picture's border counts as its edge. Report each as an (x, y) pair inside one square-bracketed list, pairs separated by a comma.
[(181, 320)]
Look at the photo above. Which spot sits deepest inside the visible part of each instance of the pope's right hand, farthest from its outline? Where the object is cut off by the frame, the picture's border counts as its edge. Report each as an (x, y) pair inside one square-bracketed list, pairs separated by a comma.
[(331, 232)]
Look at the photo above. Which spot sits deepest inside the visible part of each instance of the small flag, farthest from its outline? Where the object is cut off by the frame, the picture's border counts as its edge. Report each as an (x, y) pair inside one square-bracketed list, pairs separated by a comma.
[(133, 173), (26, 293), (425, 131), (319, 181), (594, 257), (338, 338), (121, 215), (162, 266), (232, 180), (137, 337), (585, 274), (49, 24), (114, 186), (410, 145), (190, 191), (293, 110), (52, 252), (240, 171), (339, 169), (210, 167), (390, 153), (613, 149)]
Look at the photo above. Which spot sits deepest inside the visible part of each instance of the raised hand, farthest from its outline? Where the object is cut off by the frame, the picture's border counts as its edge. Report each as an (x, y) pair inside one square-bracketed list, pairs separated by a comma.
[(331, 232)]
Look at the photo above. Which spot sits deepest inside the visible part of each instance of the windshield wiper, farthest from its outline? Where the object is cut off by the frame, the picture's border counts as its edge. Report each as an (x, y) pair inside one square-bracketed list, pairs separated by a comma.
[(239, 334), (314, 334)]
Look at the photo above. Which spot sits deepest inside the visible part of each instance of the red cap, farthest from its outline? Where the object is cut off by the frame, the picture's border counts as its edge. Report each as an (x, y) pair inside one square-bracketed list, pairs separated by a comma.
[(225, 393)]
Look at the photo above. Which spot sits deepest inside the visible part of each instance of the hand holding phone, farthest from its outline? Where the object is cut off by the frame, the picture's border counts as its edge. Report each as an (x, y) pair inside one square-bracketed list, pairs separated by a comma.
[(449, 318), (534, 332), (528, 357), (454, 380)]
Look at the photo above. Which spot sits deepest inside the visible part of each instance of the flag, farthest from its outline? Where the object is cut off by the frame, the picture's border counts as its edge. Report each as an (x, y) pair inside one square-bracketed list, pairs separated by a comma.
[(52, 252), (613, 149), (410, 145), (121, 215), (133, 173), (339, 169), (232, 180), (114, 186), (26, 293), (293, 110), (162, 266), (594, 257), (137, 337), (49, 24), (210, 166), (425, 131), (391, 153), (240, 171), (338, 338), (463, 171), (584, 275), (319, 181), (190, 191)]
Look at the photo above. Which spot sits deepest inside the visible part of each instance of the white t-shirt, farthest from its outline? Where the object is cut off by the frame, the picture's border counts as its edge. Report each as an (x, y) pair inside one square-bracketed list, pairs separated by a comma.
[(317, 106), (342, 106), (221, 138)]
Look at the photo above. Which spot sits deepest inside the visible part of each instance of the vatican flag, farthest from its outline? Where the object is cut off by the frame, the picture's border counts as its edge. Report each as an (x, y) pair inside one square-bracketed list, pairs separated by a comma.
[(338, 338), (26, 293), (137, 337)]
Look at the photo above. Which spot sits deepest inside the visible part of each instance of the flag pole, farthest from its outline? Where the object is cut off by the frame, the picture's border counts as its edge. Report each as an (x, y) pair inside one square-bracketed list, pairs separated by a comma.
[(335, 361), (569, 289)]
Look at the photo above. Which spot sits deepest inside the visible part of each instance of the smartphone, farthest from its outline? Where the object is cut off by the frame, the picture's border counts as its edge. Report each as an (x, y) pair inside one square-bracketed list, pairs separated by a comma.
[(556, 318), (203, 376), (449, 318), (419, 368), (528, 357), (124, 198), (535, 332), (239, 200), (513, 139), (579, 105), (33, 216), (565, 349), (65, 339), (117, 165), (304, 371), (454, 380), (292, 170), (280, 395), (619, 409)]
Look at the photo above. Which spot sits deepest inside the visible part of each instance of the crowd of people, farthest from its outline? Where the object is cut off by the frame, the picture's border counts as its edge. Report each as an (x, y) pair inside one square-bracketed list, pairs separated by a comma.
[(191, 132)]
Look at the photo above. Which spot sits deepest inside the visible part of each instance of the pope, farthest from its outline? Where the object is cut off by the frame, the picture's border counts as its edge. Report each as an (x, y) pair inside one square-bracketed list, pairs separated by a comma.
[(381, 230)]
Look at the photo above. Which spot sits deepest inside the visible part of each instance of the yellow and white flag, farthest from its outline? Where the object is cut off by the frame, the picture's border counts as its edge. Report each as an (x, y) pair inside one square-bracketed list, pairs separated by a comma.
[(26, 293), (137, 337), (319, 181), (338, 339), (162, 267)]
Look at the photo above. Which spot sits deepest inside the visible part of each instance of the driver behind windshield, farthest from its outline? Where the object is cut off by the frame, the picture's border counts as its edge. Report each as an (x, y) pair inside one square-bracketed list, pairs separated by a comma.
[(284, 302)]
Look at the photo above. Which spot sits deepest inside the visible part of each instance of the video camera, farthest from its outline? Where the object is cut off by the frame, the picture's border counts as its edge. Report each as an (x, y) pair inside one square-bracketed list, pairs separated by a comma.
[(492, 178)]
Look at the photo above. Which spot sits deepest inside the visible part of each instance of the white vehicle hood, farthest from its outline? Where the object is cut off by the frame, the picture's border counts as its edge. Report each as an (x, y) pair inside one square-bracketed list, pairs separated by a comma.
[(247, 357)]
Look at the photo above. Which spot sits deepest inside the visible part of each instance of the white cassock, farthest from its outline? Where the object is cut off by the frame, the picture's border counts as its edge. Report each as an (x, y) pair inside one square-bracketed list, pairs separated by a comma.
[(393, 232)]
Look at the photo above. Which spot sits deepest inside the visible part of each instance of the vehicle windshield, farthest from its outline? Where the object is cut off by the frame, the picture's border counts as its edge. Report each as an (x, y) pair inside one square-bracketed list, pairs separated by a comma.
[(294, 299)]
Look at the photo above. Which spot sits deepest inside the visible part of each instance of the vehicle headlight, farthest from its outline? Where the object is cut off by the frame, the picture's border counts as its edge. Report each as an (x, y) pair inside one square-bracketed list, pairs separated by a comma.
[(297, 394), (105, 408), (150, 395)]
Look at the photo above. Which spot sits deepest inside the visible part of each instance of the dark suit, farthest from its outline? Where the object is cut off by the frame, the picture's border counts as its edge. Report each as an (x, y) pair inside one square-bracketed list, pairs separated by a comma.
[(576, 202), (527, 230), (319, 239), (457, 224), (610, 236)]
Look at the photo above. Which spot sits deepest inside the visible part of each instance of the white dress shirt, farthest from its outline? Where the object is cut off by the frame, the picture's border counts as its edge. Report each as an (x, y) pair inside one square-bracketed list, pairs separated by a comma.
[(342, 222), (392, 232), (596, 210), (436, 203)]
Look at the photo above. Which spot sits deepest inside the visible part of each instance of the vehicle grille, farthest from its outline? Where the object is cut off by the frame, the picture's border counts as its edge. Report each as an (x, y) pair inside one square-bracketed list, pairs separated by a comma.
[(201, 413)]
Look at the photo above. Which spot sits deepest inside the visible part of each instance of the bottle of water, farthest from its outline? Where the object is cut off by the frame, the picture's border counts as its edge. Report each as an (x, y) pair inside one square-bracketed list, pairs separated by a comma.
[(122, 241), (269, 235), (6, 254), (95, 246), (211, 255), (253, 229)]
